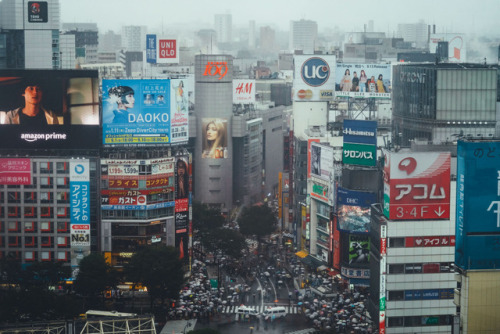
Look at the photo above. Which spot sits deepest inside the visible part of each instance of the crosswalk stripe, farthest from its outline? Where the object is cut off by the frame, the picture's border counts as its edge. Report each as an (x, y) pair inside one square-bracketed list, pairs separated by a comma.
[(259, 309)]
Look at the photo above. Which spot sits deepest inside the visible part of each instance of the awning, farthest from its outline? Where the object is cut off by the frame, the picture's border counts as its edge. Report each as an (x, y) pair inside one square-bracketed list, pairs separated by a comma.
[(321, 268), (301, 254)]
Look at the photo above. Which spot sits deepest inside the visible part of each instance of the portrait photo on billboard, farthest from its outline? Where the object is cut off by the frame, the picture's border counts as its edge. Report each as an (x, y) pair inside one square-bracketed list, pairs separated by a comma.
[(181, 178), (363, 80), (214, 138), (135, 112), (179, 111), (45, 109)]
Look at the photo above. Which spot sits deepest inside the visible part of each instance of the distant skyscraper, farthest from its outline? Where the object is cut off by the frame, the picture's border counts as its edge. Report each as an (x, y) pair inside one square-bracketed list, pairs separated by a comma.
[(86, 40), (134, 38), (110, 41), (371, 27), (267, 38), (303, 35), (223, 25), (414, 32), (251, 34)]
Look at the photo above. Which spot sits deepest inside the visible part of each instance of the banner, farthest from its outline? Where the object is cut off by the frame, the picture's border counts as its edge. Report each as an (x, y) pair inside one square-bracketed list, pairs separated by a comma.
[(15, 171), (363, 80)]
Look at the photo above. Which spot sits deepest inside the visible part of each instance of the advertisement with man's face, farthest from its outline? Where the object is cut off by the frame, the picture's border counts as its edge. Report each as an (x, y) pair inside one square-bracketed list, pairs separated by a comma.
[(136, 112), (214, 137), (363, 80), (49, 109)]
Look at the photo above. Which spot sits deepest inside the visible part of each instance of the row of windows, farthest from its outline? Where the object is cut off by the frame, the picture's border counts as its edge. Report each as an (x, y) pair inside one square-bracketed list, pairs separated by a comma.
[(414, 321), (30, 256), (32, 212), (157, 213), (32, 197), (34, 242), (420, 268), (34, 227)]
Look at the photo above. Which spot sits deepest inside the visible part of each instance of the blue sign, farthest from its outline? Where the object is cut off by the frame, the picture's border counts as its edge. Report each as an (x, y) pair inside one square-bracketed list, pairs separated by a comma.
[(315, 71), (139, 207), (360, 132), (136, 112), (478, 205), (151, 49), (354, 210), (79, 185)]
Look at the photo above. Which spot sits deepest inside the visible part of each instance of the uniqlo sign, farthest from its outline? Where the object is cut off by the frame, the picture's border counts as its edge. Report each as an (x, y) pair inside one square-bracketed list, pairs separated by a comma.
[(417, 185), (167, 51)]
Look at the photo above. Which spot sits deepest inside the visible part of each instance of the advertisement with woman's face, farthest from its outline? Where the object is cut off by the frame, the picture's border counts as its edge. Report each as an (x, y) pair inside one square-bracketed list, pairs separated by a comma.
[(214, 137)]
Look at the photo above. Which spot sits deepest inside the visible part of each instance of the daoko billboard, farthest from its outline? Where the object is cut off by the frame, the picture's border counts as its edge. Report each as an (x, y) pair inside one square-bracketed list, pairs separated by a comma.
[(417, 185), (49, 109), (144, 112)]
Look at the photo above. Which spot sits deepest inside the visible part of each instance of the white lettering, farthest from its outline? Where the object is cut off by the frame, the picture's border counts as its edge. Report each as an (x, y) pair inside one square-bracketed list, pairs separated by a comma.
[(148, 118)]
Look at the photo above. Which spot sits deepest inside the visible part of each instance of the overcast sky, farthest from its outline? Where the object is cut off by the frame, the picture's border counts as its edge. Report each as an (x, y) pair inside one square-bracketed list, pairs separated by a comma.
[(458, 16)]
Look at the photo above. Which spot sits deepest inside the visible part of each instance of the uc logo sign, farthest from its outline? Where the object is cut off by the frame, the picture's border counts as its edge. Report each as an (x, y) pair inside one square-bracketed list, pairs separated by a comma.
[(315, 71)]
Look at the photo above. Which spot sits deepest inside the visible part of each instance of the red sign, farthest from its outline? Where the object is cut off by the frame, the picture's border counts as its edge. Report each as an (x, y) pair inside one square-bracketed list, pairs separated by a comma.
[(418, 186), (181, 205), (216, 69), (15, 171), (167, 48), (383, 246), (123, 183), (435, 241)]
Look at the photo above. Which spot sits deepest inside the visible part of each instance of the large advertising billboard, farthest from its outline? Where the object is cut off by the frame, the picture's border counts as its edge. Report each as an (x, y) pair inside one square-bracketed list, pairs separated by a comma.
[(417, 185), (354, 210), (144, 112), (478, 205), (49, 109), (359, 249), (79, 184), (457, 50), (167, 51), (214, 138), (314, 78), (363, 80), (243, 91), (310, 157), (15, 171), (322, 162), (360, 142)]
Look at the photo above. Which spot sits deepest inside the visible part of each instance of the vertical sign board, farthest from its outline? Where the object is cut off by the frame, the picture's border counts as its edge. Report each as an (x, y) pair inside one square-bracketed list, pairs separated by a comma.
[(478, 205), (79, 184), (383, 277), (309, 155), (322, 167), (417, 185), (15, 171), (360, 142), (151, 49)]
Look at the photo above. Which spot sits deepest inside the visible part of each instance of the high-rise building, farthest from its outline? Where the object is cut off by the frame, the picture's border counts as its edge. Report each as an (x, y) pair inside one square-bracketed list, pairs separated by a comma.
[(134, 38), (31, 33), (251, 34), (86, 40), (267, 39), (415, 33), (223, 25), (303, 36)]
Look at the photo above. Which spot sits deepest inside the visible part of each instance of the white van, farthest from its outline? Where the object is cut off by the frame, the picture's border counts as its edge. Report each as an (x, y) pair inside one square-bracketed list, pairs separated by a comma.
[(247, 310), (274, 312)]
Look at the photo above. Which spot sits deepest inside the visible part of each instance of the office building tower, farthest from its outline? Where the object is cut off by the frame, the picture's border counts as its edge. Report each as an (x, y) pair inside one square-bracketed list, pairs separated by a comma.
[(303, 36), (223, 25), (134, 38)]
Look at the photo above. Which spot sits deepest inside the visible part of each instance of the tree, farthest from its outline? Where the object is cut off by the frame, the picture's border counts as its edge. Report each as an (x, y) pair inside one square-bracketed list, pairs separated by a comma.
[(229, 242), (205, 218), (159, 268), (94, 276), (258, 220)]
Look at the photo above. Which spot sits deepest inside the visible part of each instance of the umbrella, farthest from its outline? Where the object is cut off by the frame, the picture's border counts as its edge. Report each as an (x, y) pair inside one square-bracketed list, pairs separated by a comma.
[(299, 303)]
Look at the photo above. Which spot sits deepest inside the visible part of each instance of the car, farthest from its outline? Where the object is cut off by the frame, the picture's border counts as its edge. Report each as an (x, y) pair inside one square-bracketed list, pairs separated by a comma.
[(247, 310), (274, 312)]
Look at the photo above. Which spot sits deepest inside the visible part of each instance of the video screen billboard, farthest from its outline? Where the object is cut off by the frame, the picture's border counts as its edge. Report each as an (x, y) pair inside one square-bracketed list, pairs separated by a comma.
[(417, 185), (214, 138), (359, 249), (50, 109), (354, 210), (144, 112), (478, 205), (314, 78), (363, 80)]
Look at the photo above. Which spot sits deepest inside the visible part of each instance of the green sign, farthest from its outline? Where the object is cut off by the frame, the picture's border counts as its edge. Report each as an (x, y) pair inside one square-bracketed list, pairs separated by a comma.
[(382, 304), (213, 283), (359, 154), (431, 320)]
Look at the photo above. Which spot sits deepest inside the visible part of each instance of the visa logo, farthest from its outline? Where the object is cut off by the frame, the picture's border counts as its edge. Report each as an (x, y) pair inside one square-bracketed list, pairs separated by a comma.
[(326, 93)]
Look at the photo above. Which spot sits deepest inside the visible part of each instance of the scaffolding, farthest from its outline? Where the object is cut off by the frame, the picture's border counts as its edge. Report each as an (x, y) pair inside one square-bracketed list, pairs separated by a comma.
[(120, 326)]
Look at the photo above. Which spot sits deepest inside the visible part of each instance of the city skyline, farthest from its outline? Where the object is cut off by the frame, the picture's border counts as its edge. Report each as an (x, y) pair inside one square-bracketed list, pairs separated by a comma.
[(448, 16)]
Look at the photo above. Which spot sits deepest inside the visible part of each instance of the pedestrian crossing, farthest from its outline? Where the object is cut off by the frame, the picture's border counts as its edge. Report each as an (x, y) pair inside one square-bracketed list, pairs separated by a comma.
[(260, 309)]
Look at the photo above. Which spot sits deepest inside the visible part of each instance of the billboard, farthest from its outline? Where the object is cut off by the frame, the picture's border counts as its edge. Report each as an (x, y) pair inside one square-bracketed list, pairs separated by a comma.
[(360, 142), (363, 80), (309, 156), (151, 49), (323, 191), (214, 138), (314, 78), (353, 210), (138, 112), (49, 109), (38, 12), (359, 249), (167, 51), (79, 184), (15, 171), (457, 49), (417, 185), (322, 162), (243, 91), (478, 205)]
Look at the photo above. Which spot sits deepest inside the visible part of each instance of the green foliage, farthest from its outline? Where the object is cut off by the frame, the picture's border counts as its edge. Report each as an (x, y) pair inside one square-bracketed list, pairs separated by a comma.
[(230, 242), (258, 220), (205, 218), (94, 276), (159, 268)]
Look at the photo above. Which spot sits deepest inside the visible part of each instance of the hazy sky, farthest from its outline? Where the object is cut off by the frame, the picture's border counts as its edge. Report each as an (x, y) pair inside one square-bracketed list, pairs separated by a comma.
[(461, 16)]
